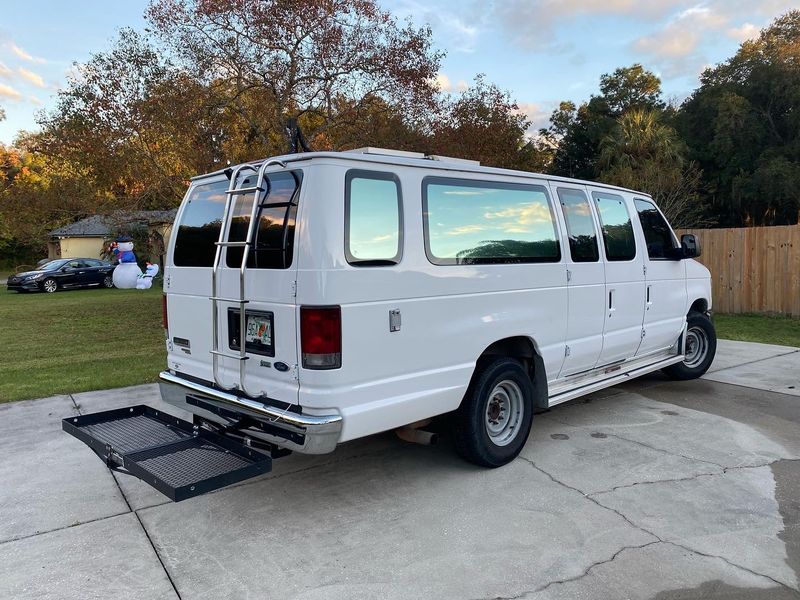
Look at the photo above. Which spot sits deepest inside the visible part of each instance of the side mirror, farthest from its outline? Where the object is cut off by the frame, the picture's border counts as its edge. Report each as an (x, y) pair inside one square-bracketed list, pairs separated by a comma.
[(690, 246)]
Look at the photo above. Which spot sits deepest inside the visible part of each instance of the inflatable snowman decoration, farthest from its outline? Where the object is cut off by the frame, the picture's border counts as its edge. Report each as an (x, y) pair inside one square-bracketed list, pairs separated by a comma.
[(126, 274), (145, 281)]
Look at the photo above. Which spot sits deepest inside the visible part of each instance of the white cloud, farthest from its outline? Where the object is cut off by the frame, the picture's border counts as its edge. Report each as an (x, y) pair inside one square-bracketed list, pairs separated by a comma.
[(677, 47), (5, 72), (529, 214), (458, 32), (445, 85), (537, 114), (20, 53), (443, 82), (681, 36), (746, 31), (674, 35), (6, 91), (531, 22), (31, 77), (466, 229)]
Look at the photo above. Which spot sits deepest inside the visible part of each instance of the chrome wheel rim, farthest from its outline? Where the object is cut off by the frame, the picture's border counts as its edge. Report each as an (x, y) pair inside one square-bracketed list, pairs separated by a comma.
[(696, 347), (108, 282), (504, 411), (50, 286)]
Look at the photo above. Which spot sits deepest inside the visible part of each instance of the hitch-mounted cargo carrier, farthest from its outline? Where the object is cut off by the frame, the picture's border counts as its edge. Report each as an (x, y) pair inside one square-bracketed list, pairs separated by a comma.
[(177, 458)]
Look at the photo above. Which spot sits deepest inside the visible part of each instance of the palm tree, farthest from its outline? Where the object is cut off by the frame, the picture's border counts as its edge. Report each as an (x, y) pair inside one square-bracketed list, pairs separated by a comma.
[(640, 137), (643, 153)]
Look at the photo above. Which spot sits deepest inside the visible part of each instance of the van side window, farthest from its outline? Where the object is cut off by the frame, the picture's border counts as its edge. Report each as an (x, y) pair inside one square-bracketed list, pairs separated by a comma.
[(618, 237), (373, 219), (657, 232), (274, 238), (480, 222), (580, 225), (198, 230)]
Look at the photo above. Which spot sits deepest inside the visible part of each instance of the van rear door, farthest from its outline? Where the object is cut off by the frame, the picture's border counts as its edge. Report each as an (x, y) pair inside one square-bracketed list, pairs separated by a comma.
[(270, 275)]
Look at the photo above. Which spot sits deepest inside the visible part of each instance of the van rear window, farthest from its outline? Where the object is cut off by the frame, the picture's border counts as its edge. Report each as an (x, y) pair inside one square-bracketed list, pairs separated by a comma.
[(199, 227), (481, 222), (274, 237), (373, 217)]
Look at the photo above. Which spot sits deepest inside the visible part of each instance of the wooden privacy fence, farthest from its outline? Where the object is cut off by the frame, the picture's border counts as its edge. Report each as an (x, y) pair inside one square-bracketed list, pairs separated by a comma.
[(753, 269)]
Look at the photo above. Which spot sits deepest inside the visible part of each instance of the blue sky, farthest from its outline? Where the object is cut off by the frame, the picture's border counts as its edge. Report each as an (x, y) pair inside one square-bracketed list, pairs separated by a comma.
[(542, 51)]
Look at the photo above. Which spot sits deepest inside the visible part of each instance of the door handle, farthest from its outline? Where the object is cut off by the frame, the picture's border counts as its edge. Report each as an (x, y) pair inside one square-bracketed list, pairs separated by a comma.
[(649, 302), (611, 307)]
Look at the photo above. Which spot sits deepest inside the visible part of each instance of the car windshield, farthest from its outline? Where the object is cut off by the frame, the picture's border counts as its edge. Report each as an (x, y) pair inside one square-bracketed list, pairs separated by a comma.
[(49, 266)]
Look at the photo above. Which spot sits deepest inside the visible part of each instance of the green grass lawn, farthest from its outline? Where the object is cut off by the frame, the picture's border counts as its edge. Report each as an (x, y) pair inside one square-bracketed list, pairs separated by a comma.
[(783, 331), (95, 339), (78, 340)]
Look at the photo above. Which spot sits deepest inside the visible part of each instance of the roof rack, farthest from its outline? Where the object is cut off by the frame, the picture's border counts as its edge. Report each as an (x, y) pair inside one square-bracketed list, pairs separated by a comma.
[(406, 154), (464, 161), (387, 152)]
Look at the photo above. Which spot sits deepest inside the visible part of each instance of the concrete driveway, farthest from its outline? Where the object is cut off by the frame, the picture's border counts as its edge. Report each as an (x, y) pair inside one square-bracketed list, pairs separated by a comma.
[(651, 490)]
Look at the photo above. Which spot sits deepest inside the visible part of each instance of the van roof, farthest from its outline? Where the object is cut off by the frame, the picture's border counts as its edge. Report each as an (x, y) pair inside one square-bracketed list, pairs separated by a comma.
[(419, 160)]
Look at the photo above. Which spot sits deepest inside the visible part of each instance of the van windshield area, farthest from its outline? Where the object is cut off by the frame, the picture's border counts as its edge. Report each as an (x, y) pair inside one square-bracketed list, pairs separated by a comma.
[(202, 216)]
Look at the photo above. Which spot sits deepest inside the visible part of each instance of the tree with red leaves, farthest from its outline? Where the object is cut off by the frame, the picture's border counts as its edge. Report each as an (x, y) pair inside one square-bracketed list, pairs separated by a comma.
[(323, 62)]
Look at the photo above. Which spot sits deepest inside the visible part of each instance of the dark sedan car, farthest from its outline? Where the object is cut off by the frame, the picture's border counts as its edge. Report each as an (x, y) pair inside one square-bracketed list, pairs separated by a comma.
[(64, 273)]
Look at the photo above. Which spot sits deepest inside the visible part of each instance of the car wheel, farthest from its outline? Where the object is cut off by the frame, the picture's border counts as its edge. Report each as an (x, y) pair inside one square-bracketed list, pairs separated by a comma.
[(493, 422), (108, 281), (49, 285), (701, 346)]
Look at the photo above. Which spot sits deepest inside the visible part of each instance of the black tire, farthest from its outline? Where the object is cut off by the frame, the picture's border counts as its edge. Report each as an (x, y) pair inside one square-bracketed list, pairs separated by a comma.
[(108, 282), (49, 285), (472, 420), (701, 346)]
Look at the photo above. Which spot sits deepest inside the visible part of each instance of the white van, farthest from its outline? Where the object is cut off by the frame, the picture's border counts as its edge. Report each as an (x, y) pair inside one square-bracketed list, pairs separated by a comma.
[(316, 298), (382, 288)]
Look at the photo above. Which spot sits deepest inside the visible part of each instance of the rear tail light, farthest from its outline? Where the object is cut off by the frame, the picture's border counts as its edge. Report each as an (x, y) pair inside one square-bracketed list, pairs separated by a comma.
[(321, 337), (164, 319)]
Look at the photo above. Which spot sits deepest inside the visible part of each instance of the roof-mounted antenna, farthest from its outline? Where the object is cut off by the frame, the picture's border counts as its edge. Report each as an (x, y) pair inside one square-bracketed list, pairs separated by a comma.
[(297, 141)]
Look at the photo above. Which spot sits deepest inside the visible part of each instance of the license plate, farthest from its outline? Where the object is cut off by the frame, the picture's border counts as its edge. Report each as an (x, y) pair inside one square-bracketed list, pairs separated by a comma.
[(259, 330)]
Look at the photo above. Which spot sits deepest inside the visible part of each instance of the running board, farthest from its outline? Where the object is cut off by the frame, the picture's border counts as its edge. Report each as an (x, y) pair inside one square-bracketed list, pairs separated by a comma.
[(613, 380), (178, 459)]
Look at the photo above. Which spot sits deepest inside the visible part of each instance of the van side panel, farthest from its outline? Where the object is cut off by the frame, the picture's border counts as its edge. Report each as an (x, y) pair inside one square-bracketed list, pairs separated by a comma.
[(698, 283), (449, 314)]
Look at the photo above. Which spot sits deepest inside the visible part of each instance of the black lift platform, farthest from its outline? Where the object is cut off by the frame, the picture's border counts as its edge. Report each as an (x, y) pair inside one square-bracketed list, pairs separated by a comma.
[(179, 459)]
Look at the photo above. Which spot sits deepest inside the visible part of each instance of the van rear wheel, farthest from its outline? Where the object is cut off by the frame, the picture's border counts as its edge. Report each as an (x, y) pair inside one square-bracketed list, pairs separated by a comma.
[(701, 347), (493, 422)]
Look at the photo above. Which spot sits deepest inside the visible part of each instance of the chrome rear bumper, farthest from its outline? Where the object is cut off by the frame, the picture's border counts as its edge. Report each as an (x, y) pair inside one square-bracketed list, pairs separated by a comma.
[(311, 434)]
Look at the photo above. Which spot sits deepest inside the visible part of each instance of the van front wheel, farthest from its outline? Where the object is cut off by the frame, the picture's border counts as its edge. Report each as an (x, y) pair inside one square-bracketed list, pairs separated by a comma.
[(701, 346), (493, 422)]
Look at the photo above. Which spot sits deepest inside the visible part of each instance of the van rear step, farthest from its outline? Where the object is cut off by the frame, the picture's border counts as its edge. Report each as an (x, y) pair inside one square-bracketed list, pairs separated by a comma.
[(176, 458)]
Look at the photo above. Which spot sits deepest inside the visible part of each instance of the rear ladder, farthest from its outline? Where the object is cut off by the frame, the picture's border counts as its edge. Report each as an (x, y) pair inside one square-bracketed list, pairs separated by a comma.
[(261, 185)]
